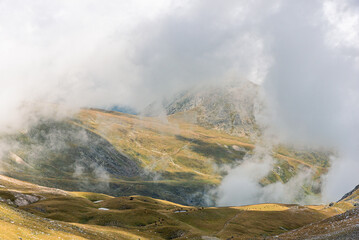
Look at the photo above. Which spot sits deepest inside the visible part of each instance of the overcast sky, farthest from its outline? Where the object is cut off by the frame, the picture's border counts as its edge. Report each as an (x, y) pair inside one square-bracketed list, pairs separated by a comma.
[(305, 54)]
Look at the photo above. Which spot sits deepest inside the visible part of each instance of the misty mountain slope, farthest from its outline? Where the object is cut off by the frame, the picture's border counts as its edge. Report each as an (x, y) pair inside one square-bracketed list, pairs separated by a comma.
[(226, 108), (89, 151), (98, 216), (233, 109), (177, 149), (66, 151), (121, 154), (65, 155)]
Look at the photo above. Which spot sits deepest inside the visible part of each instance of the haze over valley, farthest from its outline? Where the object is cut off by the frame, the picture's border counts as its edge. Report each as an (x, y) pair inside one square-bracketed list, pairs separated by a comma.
[(179, 120)]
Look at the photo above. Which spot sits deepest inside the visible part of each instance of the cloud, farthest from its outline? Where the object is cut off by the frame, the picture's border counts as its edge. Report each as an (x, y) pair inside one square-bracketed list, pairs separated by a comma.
[(70, 52), (99, 54), (241, 186), (204, 43), (313, 85), (311, 92)]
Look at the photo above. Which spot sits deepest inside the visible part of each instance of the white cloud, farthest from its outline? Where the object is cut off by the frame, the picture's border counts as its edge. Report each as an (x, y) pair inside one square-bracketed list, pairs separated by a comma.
[(102, 53)]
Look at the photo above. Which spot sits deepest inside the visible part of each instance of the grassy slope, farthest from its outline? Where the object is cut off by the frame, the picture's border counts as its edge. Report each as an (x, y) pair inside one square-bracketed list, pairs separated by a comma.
[(342, 226), (18, 224), (177, 149), (182, 147), (349, 200), (176, 160), (140, 217)]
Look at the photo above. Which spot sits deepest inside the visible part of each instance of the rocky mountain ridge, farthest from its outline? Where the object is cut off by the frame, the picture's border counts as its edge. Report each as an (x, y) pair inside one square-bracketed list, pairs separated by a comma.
[(228, 108)]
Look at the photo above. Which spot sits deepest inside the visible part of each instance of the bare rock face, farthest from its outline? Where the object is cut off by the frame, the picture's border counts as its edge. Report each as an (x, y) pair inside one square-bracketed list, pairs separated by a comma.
[(7, 201), (24, 199), (20, 199), (227, 108), (349, 194)]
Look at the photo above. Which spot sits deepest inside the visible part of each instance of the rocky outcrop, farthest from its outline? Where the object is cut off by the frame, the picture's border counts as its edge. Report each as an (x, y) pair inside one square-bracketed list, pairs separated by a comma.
[(24, 199), (226, 108), (19, 199), (349, 193)]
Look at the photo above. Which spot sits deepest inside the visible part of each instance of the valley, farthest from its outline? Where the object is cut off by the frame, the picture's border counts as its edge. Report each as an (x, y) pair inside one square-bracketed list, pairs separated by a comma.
[(160, 120), (109, 175), (30, 211)]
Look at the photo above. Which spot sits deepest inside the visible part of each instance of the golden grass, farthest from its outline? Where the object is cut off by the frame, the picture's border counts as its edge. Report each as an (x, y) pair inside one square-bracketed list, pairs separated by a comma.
[(135, 217), (15, 224), (174, 144), (344, 205), (326, 210), (263, 207), (91, 196)]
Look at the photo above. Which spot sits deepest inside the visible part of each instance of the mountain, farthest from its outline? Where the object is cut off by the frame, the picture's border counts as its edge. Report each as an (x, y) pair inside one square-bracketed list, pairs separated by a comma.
[(349, 201), (30, 211), (228, 108), (352, 196), (121, 155)]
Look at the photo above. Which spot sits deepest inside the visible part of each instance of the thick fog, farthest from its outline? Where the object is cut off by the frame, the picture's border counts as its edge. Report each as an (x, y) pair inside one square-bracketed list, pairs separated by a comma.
[(57, 56), (99, 54)]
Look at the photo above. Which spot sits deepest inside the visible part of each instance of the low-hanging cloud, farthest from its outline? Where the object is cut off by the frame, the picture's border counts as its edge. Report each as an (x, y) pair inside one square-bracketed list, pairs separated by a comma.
[(241, 186), (100, 54), (313, 85)]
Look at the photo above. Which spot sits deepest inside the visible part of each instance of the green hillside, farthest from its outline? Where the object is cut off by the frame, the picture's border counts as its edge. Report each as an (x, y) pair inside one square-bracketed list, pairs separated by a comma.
[(121, 155)]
